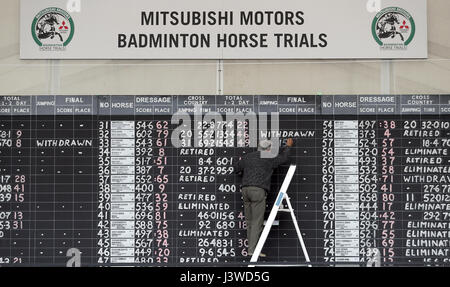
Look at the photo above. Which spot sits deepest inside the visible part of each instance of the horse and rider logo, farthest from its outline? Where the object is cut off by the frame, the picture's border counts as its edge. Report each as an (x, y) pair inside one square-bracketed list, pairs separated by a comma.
[(52, 29), (393, 28)]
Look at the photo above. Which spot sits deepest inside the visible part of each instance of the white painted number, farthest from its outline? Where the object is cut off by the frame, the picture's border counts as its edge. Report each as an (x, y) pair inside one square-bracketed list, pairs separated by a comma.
[(374, 258)]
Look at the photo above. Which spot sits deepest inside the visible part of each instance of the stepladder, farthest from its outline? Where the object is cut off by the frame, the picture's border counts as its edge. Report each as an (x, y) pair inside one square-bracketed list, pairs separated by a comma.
[(279, 207)]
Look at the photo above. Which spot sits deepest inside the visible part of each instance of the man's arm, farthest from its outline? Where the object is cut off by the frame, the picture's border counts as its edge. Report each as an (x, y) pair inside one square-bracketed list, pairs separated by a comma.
[(284, 155), (239, 167)]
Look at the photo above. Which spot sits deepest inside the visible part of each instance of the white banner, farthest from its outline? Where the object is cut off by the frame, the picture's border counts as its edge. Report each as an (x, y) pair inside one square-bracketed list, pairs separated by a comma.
[(223, 29)]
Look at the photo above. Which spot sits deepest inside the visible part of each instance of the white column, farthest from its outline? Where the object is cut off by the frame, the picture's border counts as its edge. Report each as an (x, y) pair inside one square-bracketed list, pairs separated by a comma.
[(346, 191), (122, 191)]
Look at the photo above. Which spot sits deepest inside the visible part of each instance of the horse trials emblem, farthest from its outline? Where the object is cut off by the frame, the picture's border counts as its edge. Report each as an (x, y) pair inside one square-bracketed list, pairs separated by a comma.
[(52, 29), (393, 28)]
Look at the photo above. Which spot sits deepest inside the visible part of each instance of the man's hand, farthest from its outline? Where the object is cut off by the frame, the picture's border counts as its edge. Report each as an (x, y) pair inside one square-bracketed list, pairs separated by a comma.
[(290, 142)]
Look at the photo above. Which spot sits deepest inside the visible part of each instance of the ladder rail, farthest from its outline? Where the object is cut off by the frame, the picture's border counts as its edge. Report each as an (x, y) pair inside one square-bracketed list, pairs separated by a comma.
[(282, 194), (299, 234)]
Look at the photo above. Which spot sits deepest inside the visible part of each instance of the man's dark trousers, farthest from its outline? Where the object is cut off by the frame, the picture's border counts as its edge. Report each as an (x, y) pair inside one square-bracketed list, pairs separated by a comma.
[(254, 208)]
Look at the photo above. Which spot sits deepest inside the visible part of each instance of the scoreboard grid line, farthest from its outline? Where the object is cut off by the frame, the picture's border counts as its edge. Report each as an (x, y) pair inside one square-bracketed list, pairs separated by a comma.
[(307, 217)]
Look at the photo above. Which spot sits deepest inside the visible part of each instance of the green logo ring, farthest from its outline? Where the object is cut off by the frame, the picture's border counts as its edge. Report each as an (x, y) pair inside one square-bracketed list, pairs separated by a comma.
[(398, 10), (58, 11)]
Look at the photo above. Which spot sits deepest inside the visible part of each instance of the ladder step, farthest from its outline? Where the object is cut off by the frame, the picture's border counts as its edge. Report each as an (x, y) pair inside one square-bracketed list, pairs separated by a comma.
[(275, 223)]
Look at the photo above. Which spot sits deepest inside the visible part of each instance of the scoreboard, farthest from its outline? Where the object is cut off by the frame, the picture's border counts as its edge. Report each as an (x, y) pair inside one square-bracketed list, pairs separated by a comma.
[(98, 180)]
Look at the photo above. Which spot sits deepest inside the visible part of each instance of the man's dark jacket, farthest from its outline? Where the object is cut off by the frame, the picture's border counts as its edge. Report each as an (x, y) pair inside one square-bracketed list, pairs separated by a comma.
[(257, 171)]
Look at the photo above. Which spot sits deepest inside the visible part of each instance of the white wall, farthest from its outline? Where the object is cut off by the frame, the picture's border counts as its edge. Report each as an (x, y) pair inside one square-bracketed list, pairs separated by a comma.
[(19, 77)]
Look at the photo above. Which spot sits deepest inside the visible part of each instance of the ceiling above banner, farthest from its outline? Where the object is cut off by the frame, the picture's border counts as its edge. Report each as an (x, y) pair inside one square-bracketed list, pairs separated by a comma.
[(223, 29)]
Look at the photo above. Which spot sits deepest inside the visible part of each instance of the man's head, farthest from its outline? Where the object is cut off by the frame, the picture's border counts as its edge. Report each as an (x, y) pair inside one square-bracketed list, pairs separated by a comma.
[(265, 145)]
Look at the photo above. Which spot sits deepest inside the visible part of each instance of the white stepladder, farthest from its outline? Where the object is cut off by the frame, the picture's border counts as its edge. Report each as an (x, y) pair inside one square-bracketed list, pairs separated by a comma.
[(282, 195)]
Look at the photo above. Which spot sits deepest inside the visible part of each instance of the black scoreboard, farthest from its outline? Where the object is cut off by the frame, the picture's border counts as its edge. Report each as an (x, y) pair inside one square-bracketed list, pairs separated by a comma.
[(98, 180)]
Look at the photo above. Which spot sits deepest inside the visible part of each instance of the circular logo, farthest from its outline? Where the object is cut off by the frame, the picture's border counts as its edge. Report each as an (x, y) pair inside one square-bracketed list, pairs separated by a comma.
[(52, 28), (393, 28)]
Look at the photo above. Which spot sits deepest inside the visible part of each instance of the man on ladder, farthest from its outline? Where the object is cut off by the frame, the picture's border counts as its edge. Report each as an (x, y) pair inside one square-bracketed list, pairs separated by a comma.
[(256, 179)]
